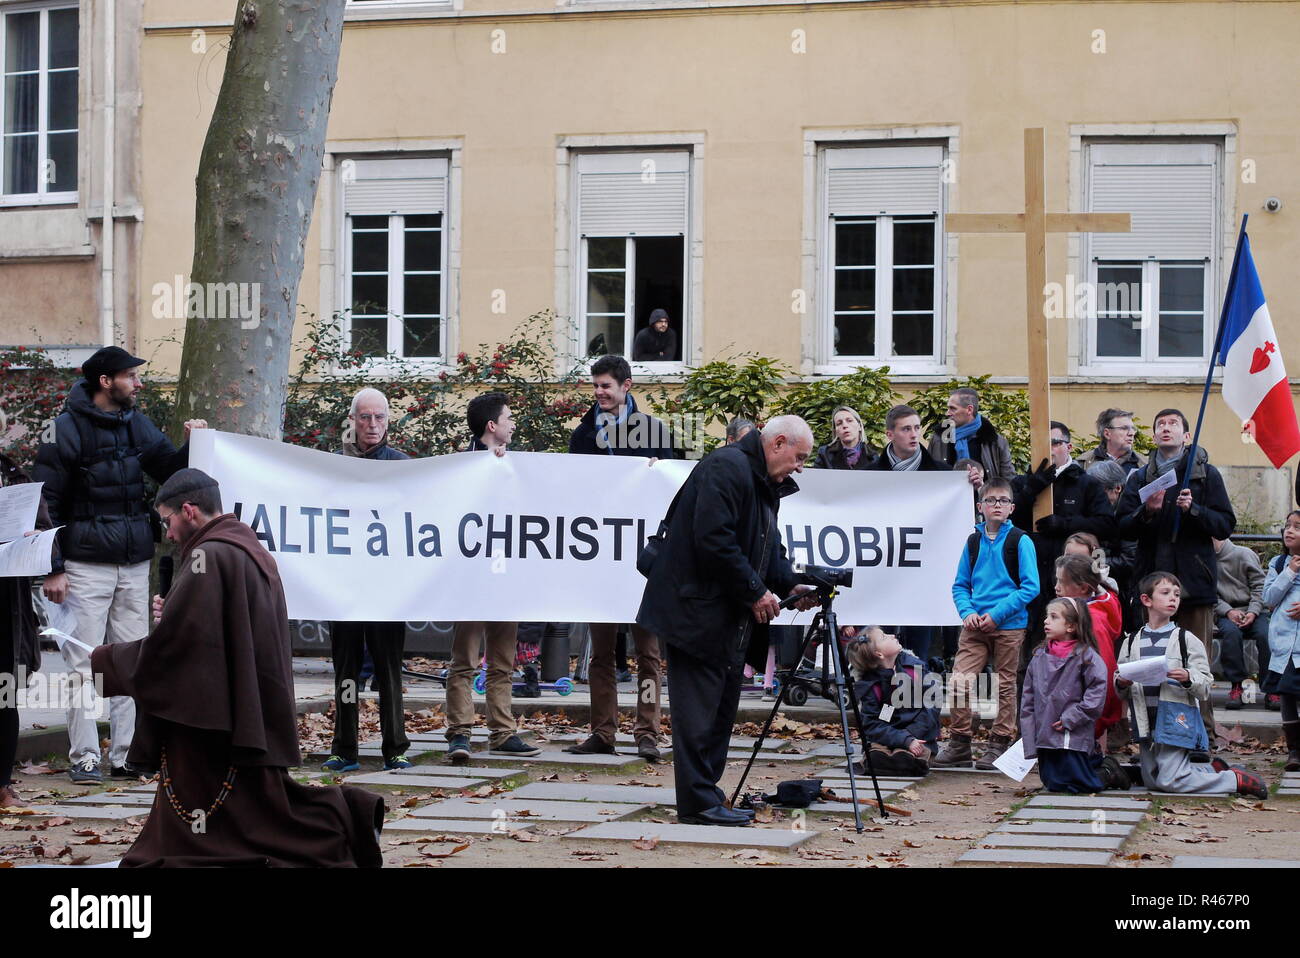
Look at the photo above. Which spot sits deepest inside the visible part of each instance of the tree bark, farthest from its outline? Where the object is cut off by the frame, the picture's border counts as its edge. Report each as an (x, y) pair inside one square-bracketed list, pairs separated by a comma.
[(256, 187)]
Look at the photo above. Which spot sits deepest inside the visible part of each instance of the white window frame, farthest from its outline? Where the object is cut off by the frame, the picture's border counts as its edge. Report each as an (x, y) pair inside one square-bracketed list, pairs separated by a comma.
[(827, 362), (572, 282), (41, 197), (380, 365), (1083, 360)]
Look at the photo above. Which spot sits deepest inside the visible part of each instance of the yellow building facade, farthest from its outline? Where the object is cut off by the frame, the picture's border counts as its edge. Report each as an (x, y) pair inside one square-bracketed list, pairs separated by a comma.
[(776, 176)]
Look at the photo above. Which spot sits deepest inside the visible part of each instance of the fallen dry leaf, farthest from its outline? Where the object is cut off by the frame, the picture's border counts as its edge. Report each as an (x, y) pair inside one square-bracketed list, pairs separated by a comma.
[(646, 843), (441, 853), (961, 837), (751, 856), (520, 835)]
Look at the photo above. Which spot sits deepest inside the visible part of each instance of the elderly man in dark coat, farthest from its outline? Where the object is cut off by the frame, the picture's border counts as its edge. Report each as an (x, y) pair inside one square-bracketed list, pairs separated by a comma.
[(213, 688), (712, 591)]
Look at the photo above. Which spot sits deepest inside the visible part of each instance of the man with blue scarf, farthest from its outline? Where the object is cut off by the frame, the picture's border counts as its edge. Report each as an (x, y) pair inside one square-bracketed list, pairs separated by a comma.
[(971, 436), (613, 426)]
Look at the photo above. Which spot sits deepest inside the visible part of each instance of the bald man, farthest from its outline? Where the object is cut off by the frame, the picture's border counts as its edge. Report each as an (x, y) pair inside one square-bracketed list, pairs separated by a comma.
[(711, 594)]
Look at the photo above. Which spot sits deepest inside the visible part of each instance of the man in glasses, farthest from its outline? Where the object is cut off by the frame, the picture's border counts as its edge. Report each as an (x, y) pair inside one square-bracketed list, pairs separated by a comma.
[(1117, 433), (366, 437)]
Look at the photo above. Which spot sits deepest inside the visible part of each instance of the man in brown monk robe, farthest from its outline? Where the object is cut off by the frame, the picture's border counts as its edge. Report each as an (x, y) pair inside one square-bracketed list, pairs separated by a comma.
[(213, 687)]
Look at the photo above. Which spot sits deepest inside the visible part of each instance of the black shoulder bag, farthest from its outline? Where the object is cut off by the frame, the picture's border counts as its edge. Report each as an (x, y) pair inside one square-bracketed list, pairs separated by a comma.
[(654, 545)]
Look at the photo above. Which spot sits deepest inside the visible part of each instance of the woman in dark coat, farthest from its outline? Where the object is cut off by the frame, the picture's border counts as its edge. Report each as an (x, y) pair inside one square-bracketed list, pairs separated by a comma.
[(19, 645), (847, 450)]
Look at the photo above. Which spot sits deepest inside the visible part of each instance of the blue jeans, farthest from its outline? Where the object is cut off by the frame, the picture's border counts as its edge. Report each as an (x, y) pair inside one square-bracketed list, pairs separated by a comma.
[(1232, 637)]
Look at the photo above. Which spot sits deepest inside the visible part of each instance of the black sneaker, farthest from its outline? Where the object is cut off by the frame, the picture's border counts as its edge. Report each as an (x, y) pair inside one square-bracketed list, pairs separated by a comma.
[(514, 745), (458, 748), (594, 745), (129, 771)]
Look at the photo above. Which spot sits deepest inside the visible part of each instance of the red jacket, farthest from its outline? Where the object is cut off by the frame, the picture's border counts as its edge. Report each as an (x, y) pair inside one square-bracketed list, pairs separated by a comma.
[(1108, 627)]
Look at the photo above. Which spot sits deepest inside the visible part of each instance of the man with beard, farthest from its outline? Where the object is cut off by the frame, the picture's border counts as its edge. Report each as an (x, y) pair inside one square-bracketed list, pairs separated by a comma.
[(94, 473), (213, 687)]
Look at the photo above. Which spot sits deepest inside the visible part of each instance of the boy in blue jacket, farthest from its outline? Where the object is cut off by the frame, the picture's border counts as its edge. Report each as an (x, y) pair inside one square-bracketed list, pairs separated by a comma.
[(997, 578)]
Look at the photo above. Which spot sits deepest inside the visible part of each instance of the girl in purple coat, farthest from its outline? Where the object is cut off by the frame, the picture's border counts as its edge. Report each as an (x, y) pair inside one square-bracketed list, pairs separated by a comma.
[(1065, 690)]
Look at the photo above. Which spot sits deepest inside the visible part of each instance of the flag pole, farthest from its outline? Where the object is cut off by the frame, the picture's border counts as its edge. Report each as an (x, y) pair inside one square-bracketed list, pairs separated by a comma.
[(1209, 373)]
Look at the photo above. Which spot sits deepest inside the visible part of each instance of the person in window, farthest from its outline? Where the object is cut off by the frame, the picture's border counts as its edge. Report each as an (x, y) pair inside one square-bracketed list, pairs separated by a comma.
[(656, 343), (847, 450)]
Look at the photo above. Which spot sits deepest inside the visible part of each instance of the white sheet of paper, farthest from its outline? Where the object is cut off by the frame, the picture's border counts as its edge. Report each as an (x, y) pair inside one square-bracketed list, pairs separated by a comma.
[(28, 556), (1167, 481), (18, 505), (1149, 671), (1012, 763), (60, 638)]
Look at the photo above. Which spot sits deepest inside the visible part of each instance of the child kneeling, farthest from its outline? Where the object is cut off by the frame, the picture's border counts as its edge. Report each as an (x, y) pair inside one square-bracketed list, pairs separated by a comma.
[(898, 700), (1166, 716), (1065, 691)]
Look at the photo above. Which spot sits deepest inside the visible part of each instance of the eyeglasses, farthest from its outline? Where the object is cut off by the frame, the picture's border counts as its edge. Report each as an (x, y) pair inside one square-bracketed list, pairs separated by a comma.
[(1123, 428), (1060, 442), (167, 519), (999, 501)]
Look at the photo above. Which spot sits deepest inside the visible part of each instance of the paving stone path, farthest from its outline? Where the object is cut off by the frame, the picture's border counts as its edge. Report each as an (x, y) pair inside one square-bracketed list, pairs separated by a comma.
[(1081, 830), (1290, 784), (1208, 861), (755, 836), (512, 809)]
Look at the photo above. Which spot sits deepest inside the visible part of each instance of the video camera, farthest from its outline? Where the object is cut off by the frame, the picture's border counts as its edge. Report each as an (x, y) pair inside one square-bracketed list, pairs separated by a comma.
[(822, 576)]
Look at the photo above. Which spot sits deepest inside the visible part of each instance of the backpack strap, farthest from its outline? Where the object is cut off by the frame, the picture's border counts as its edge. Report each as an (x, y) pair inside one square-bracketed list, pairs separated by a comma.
[(1182, 644), (1011, 553), (1278, 562)]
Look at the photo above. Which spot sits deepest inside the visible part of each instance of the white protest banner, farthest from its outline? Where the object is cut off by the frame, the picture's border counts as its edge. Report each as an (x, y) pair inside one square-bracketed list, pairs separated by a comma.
[(554, 538)]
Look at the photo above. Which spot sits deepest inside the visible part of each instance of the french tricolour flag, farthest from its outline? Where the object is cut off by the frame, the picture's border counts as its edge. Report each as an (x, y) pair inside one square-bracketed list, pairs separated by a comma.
[(1254, 380)]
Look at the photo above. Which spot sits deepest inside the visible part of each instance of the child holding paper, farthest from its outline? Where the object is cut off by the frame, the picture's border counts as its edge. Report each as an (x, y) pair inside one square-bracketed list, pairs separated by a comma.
[(1165, 714), (1065, 690)]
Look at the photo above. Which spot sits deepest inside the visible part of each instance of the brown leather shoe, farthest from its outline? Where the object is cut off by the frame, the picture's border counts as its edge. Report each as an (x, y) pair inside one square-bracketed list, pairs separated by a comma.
[(648, 749), (594, 745)]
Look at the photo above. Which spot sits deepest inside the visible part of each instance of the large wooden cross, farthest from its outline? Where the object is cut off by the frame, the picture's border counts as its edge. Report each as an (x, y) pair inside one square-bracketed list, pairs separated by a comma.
[(1035, 223)]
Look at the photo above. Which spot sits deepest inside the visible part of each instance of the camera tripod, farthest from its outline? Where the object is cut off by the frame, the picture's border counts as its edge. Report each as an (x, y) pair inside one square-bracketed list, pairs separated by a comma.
[(825, 628)]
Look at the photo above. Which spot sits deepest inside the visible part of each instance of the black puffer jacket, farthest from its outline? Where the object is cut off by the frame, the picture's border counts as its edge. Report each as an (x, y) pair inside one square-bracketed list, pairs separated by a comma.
[(1192, 557), (723, 554), (95, 488)]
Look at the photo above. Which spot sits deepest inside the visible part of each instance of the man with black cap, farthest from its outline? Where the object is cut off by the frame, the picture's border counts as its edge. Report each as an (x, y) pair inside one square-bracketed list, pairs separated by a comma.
[(213, 683), (94, 473)]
